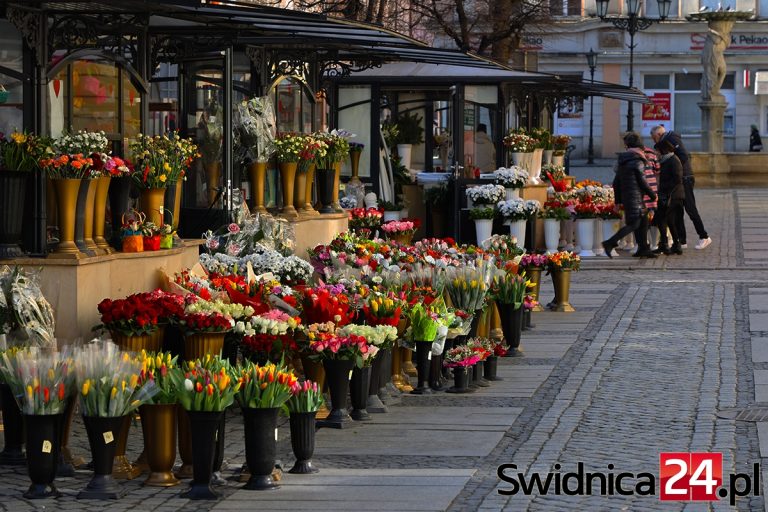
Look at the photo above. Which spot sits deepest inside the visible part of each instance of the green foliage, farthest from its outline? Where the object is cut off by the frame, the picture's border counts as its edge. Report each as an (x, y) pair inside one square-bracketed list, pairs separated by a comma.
[(409, 129)]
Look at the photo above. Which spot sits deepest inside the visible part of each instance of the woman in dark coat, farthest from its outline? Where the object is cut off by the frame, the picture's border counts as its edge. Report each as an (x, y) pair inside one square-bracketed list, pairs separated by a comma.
[(629, 187), (671, 197), (755, 142)]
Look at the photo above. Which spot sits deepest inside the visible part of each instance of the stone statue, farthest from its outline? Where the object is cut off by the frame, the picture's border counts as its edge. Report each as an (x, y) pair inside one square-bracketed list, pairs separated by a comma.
[(713, 60)]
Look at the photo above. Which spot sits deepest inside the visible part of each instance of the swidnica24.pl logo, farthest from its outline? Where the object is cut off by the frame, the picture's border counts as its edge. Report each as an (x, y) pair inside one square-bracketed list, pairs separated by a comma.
[(686, 476)]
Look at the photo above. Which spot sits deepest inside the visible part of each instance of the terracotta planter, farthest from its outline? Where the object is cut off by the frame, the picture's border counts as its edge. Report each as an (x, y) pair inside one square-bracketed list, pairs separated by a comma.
[(196, 346), (13, 186), (288, 181), (336, 183), (90, 205), (158, 423), (150, 342), (354, 162), (66, 201), (173, 204), (534, 275), (561, 279), (123, 469), (308, 209), (213, 179), (153, 204), (257, 172), (300, 191), (80, 216), (100, 213)]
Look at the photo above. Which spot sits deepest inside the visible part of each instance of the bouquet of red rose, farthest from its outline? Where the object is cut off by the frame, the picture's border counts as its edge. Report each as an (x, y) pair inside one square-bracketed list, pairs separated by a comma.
[(326, 303), (141, 313), (369, 218)]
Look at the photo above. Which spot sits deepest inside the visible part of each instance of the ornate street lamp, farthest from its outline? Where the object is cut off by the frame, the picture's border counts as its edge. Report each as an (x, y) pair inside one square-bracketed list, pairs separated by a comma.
[(592, 63), (632, 23)]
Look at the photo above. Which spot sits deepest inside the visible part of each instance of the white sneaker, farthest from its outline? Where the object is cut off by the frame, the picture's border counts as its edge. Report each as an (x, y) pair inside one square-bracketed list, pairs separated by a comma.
[(704, 243), (684, 246)]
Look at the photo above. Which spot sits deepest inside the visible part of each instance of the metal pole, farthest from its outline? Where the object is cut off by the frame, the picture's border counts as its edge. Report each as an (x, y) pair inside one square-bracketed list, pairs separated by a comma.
[(227, 135), (630, 105), (591, 148)]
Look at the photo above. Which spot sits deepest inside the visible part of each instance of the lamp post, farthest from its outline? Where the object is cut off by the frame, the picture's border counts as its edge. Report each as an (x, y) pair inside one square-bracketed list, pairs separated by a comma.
[(633, 23), (592, 63)]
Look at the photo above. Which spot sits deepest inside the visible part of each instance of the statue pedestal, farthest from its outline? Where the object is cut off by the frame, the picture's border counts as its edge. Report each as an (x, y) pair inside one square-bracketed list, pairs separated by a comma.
[(712, 119)]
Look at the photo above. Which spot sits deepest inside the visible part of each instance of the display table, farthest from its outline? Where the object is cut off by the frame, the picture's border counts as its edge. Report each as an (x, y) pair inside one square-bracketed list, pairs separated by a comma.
[(320, 229), (74, 287)]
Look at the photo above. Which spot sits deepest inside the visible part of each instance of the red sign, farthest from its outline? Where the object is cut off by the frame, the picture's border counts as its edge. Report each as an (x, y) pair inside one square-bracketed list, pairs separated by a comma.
[(691, 476), (660, 109)]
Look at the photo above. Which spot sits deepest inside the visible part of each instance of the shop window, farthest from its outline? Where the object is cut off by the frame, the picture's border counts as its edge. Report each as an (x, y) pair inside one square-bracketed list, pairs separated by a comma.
[(687, 81), (12, 98), (656, 82), (687, 113), (565, 7), (355, 116)]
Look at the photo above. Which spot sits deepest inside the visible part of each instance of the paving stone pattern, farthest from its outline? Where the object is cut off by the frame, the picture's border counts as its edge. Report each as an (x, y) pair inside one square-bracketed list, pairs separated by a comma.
[(655, 350)]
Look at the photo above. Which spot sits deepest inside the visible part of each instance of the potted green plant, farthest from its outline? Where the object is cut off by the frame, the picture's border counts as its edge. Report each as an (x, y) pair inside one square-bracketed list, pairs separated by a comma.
[(391, 210), (410, 132)]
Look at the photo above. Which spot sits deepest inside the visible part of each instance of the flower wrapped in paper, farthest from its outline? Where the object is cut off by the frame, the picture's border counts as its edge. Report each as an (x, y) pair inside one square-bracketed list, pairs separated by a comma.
[(25, 315), (42, 381), (108, 381), (255, 130)]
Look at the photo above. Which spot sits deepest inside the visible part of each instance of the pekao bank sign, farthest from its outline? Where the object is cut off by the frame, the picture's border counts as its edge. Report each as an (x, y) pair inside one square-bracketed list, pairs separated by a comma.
[(757, 41)]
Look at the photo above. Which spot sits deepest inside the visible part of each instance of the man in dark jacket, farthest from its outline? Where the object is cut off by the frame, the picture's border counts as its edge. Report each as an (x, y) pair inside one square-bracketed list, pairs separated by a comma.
[(629, 185), (658, 134)]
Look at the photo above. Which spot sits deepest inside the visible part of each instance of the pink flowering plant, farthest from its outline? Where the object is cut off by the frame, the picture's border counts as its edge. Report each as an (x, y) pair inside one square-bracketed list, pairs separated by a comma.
[(534, 260), (345, 348), (399, 227), (305, 397)]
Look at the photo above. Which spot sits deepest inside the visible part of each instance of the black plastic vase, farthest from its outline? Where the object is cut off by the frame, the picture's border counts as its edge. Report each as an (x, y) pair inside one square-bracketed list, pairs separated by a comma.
[(43, 451), (102, 438), (337, 375), (460, 383), (325, 178), (260, 446), (13, 186), (490, 368), (358, 393), (373, 403), (13, 430), (203, 429), (303, 441), (119, 202), (423, 351), (477, 375), (512, 327)]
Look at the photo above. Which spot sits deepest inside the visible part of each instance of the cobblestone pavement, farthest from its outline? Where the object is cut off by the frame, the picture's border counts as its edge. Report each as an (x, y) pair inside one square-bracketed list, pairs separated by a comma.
[(660, 356)]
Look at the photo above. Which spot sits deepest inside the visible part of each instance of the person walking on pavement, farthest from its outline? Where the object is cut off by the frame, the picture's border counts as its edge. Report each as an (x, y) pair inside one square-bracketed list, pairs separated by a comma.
[(671, 198), (629, 185), (659, 133), (755, 142)]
